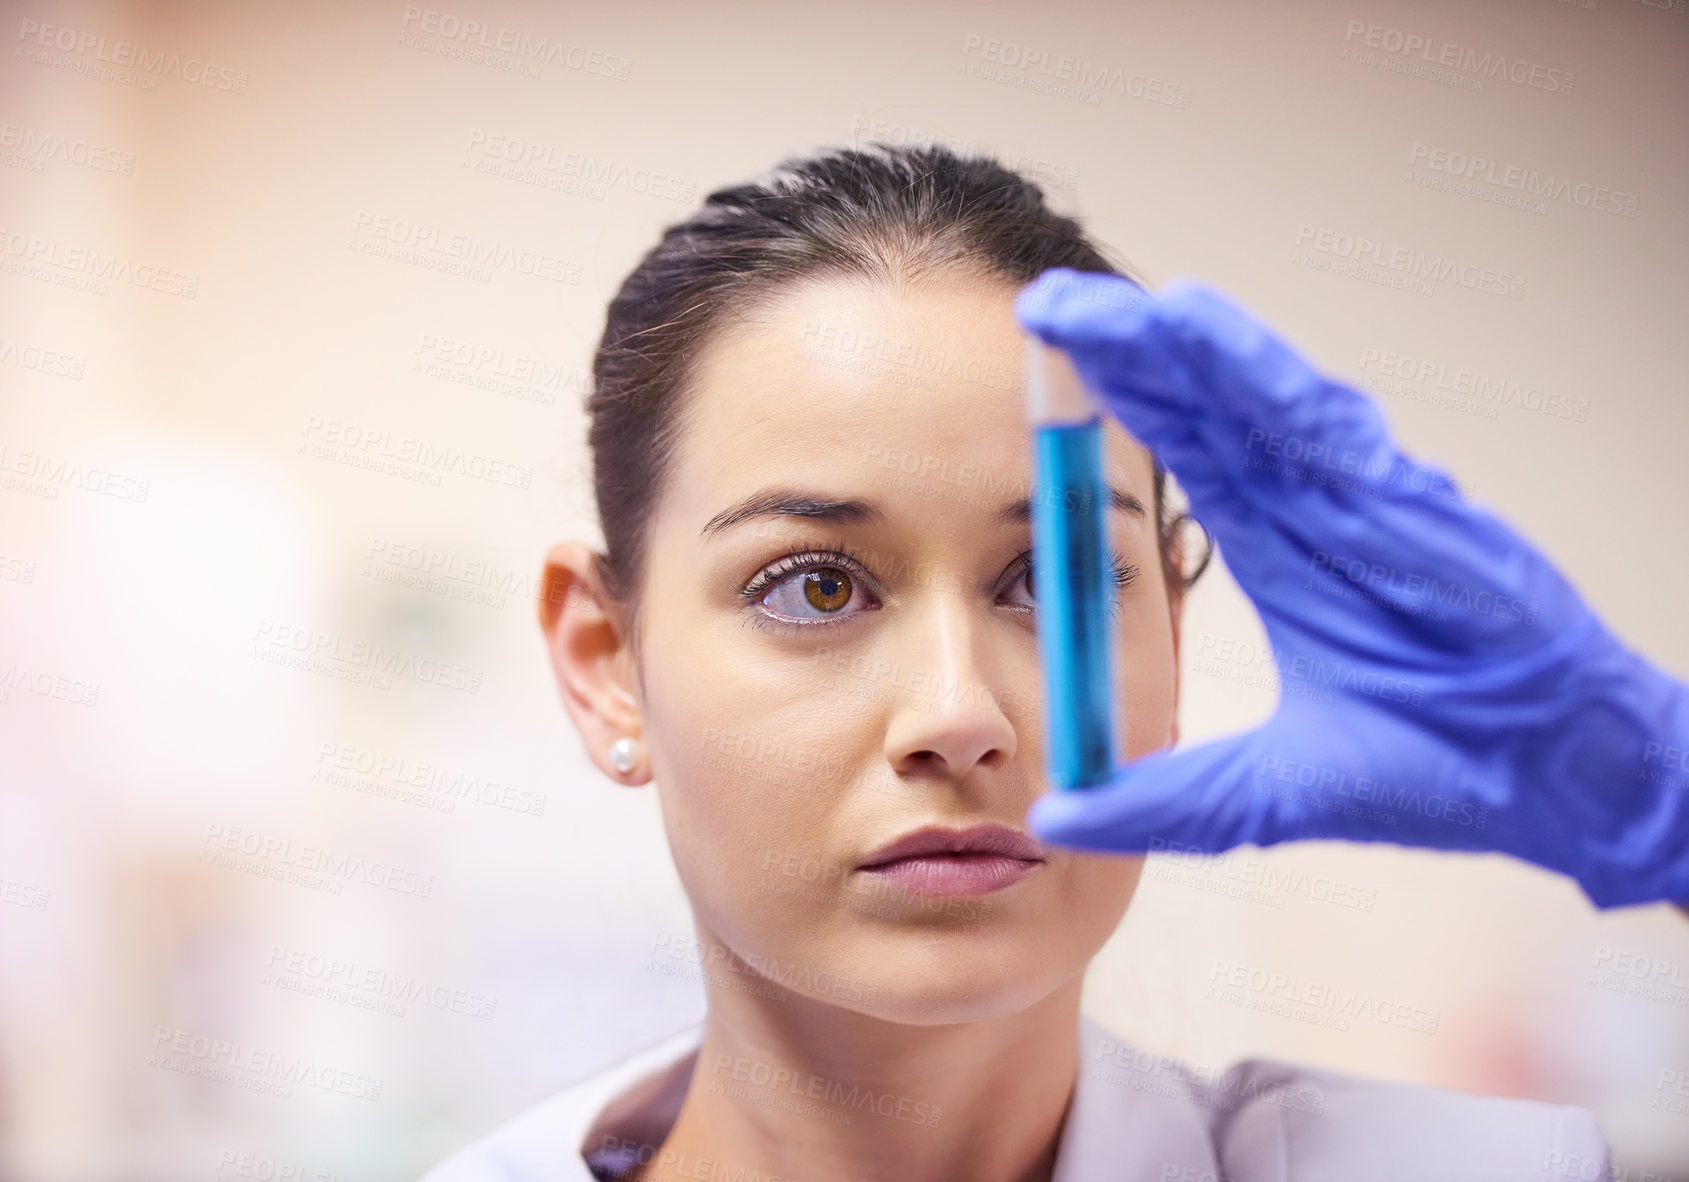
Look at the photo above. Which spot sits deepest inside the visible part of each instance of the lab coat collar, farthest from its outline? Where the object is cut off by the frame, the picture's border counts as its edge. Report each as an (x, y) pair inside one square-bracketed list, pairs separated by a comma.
[(1122, 1126), (1134, 1117)]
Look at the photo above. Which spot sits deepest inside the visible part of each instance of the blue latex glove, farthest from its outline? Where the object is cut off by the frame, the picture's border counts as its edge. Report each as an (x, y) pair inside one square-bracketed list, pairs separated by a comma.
[(1443, 685)]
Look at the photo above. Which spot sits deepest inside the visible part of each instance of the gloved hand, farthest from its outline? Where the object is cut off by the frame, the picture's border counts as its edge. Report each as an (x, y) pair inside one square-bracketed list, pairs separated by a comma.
[(1443, 685)]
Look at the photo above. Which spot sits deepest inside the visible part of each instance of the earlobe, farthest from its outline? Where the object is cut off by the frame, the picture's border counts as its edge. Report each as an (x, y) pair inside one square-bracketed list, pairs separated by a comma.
[(585, 641)]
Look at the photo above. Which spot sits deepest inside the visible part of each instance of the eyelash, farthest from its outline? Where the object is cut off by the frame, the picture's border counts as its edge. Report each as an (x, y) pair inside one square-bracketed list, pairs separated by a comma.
[(840, 557)]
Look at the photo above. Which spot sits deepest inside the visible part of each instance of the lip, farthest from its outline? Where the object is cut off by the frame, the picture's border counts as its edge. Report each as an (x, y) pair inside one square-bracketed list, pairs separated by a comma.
[(935, 860)]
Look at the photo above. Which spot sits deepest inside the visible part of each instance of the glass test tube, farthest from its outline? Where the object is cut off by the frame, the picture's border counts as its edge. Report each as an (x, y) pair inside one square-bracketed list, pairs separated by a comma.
[(1072, 576)]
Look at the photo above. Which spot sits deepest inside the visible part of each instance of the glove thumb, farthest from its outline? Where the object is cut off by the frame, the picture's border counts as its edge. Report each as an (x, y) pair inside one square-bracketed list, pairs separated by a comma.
[(1201, 799)]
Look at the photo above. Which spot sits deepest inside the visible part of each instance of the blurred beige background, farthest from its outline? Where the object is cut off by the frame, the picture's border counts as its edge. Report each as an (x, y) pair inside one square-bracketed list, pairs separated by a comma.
[(232, 241)]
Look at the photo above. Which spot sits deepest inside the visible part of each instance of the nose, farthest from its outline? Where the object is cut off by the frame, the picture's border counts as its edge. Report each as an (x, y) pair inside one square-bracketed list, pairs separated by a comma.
[(950, 720)]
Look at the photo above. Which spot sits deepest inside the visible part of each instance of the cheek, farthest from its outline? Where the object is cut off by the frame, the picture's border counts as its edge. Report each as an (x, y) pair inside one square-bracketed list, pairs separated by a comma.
[(728, 813), (748, 780), (721, 774), (1101, 888)]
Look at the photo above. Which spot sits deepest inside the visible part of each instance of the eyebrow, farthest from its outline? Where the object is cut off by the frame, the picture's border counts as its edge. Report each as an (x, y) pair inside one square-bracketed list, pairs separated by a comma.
[(789, 502)]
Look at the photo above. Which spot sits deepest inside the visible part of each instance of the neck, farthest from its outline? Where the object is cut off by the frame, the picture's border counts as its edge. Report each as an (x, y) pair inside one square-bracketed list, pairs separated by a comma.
[(797, 1089)]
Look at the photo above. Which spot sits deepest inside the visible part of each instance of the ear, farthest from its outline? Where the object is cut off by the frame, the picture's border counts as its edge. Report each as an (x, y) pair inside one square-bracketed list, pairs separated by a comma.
[(591, 657)]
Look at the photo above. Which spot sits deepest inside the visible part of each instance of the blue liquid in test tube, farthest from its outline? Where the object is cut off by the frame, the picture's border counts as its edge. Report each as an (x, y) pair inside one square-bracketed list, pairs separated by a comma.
[(1072, 576)]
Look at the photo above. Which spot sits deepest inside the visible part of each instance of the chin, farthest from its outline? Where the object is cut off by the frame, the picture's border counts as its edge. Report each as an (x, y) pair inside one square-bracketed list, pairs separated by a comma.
[(931, 978)]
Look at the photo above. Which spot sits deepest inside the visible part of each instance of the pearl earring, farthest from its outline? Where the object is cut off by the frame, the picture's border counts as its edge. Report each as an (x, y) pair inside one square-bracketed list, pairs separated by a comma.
[(622, 753)]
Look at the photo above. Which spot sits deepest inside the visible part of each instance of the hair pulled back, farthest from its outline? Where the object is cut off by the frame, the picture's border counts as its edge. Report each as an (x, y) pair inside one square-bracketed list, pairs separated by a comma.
[(890, 213)]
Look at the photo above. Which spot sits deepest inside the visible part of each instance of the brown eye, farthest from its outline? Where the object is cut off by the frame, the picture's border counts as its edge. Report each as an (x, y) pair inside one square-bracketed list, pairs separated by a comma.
[(827, 589), (1024, 583)]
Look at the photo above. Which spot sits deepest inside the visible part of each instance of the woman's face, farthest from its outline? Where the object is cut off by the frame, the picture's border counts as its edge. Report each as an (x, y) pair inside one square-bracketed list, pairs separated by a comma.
[(801, 715)]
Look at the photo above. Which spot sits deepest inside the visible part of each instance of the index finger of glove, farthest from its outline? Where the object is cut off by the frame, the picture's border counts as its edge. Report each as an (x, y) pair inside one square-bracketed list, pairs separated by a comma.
[(1106, 325), (1212, 391)]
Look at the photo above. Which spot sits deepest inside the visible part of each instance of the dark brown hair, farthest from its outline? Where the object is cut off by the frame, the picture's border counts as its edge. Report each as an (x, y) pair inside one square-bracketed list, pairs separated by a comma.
[(896, 214)]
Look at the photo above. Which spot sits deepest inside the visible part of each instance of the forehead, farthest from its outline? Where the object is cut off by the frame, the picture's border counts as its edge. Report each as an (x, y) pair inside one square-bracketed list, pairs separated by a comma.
[(867, 388)]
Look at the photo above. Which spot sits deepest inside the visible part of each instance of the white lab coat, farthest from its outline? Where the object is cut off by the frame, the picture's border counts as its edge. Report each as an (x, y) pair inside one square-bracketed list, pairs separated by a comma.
[(1135, 1118)]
